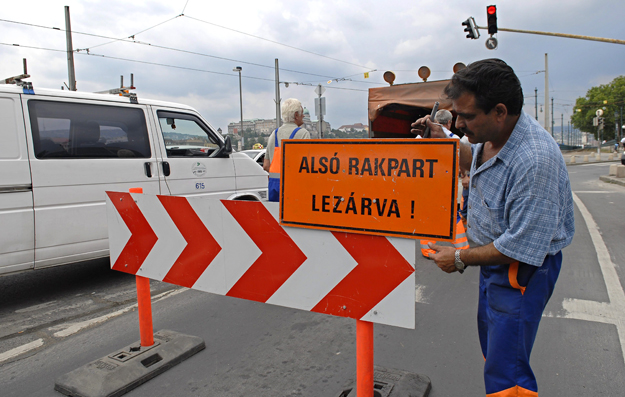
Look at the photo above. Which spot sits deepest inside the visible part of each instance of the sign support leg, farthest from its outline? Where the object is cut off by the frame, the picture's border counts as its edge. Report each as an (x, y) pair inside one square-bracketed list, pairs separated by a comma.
[(144, 302), (145, 311), (364, 358)]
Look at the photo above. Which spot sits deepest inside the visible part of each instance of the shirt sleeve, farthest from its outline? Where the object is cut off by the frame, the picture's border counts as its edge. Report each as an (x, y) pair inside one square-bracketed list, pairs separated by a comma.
[(270, 147), (531, 215)]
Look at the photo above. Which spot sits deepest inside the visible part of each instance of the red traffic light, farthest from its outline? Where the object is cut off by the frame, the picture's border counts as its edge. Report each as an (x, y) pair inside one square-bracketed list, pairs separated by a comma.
[(491, 15)]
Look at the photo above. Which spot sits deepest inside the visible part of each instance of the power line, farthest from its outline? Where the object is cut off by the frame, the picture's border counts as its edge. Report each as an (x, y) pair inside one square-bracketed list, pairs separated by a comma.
[(126, 40), (133, 35), (276, 42), (185, 7), (170, 66)]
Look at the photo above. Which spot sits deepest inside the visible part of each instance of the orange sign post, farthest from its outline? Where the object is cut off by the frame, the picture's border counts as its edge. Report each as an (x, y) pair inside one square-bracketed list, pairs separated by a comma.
[(401, 188)]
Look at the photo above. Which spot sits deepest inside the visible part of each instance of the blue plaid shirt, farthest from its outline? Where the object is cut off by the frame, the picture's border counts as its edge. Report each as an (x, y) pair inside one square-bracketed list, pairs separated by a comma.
[(521, 199)]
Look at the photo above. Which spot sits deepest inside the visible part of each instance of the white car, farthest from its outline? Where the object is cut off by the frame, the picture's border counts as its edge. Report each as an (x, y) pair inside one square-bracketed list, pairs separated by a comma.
[(257, 155)]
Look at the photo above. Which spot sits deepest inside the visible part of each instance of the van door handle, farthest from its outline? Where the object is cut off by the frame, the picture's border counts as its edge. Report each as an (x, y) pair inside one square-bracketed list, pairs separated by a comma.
[(148, 169), (166, 169)]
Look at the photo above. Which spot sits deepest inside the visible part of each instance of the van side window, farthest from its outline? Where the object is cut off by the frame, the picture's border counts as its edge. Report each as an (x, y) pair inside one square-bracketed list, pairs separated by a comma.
[(77, 130), (185, 135)]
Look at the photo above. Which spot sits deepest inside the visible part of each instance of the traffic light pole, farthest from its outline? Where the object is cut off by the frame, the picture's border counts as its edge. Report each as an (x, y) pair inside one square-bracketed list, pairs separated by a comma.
[(570, 36)]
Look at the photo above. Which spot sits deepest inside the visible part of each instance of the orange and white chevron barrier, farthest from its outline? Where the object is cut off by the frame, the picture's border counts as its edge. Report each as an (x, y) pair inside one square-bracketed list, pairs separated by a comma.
[(238, 249)]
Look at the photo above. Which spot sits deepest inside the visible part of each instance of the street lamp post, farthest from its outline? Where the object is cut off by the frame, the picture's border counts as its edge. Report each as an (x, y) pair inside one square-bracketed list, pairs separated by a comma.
[(238, 69)]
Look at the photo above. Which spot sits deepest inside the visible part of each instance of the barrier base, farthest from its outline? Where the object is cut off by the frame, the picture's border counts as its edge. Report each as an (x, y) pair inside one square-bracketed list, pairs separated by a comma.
[(394, 383), (127, 368)]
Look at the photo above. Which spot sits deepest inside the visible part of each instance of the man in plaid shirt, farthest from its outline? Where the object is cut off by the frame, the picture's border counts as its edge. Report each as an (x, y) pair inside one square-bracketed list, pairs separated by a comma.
[(520, 217)]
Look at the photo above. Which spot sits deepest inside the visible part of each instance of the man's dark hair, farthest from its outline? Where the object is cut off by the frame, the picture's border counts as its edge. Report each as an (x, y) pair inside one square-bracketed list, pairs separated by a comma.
[(492, 81)]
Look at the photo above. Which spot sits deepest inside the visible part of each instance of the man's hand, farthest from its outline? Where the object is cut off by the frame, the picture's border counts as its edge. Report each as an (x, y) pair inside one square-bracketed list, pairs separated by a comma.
[(444, 257), (436, 130)]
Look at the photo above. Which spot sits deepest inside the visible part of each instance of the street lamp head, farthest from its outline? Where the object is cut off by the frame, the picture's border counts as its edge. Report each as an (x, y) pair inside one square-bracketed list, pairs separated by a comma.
[(237, 69)]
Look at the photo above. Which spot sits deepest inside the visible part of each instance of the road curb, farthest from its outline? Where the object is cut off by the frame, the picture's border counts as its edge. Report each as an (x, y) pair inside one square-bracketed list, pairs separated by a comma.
[(612, 179), (592, 162)]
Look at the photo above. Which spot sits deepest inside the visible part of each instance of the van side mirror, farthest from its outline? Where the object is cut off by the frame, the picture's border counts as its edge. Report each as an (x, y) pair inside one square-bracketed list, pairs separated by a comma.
[(228, 145), (223, 151)]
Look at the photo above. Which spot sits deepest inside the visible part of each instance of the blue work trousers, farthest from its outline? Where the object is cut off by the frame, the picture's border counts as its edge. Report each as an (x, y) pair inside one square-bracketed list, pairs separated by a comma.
[(511, 304)]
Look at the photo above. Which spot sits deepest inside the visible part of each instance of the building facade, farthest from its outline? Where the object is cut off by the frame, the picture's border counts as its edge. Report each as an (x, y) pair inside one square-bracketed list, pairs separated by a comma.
[(264, 127), (256, 126), (356, 127)]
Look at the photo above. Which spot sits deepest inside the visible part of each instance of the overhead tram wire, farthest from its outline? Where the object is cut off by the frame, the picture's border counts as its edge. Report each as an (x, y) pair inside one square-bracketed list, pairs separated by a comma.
[(171, 66), (133, 35), (276, 42), (132, 41)]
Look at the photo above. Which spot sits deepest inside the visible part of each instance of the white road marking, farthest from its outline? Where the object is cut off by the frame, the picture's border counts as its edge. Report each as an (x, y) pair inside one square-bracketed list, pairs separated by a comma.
[(612, 312), (420, 294), (72, 328), (21, 350)]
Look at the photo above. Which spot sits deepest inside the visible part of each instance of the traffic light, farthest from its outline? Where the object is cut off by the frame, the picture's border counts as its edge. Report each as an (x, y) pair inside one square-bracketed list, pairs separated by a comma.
[(491, 14), (471, 28)]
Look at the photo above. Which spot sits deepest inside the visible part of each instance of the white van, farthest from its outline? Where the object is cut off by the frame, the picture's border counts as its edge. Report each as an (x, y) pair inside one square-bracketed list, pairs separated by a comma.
[(61, 150)]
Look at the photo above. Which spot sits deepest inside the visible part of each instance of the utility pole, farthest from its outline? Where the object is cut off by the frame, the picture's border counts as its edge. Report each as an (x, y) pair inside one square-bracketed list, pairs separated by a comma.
[(321, 117), (547, 94), (568, 36), (277, 100), (536, 102), (562, 128), (568, 130), (621, 129), (552, 120), (320, 108), (615, 127), (70, 52)]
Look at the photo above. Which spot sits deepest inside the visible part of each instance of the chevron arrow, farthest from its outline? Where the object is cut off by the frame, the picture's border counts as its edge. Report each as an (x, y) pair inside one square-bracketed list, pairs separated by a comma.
[(142, 237), (201, 247), (280, 257), (379, 271)]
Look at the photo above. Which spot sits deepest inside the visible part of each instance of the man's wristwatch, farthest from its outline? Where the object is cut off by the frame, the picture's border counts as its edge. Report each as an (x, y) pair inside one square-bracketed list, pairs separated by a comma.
[(458, 262)]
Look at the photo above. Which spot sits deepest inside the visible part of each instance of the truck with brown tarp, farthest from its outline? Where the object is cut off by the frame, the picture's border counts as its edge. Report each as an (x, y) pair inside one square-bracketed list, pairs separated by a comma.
[(392, 109)]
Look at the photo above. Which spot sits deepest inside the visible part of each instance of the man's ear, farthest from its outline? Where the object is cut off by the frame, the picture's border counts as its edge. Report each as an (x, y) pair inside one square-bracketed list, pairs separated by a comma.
[(501, 111)]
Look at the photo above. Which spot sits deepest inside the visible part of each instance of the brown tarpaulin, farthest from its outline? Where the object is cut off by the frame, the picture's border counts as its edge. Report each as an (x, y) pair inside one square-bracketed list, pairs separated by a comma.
[(416, 94), (392, 109)]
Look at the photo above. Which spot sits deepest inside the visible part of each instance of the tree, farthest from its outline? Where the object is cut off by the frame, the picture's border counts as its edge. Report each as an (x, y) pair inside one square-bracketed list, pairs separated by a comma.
[(609, 97)]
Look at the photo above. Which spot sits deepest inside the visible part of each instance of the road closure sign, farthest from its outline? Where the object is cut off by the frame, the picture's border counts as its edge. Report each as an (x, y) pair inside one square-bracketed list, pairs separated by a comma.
[(390, 187)]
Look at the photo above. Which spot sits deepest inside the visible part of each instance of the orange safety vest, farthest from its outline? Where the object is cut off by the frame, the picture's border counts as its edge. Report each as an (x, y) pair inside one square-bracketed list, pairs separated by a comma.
[(459, 243), (275, 168)]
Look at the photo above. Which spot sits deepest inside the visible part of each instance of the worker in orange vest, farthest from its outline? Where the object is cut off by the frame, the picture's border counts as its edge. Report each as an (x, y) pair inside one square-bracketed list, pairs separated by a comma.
[(444, 118), (293, 117)]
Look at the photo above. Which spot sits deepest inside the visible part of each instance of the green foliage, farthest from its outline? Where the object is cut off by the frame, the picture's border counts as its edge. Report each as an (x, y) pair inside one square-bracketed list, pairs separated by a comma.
[(609, 97)]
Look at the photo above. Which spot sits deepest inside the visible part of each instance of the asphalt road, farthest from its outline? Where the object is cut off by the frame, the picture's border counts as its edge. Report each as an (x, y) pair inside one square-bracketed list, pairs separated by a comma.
[(255, 349)]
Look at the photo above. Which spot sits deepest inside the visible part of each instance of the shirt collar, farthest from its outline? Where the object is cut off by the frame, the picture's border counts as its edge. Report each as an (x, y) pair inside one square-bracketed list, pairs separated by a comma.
[(520, 131)]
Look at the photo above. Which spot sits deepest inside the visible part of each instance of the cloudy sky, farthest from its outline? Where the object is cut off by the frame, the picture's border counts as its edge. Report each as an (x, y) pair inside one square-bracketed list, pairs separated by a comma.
[(189, 58)]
